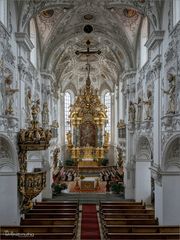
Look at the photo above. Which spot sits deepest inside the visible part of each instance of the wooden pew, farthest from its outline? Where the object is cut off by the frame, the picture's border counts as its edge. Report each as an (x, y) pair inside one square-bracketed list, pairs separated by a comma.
[(117, 207), (135, 221), (55, 206), (39, 229), (51, 215), (128, 215), (141, 229), (23, 236), (127, 211), (49, 221), (103, 203), (142, 236), (44, 210)]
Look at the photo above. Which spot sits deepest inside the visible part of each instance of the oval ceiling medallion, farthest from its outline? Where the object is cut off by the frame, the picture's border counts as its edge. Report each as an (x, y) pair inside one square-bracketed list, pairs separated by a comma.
[(48, 13), (88, 29), (128, 12), (88, 16)]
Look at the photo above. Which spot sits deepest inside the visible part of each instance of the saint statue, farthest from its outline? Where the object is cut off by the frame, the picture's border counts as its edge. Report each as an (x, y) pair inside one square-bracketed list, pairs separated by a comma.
[(132, 112), (148, 104), (55, 157), (28, 104), (171, 93), (35, 110), (45, 114), (69, 136), (139, 110)]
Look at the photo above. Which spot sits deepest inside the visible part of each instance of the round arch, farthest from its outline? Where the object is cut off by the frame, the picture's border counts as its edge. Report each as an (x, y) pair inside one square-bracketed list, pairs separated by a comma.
[(8, 155), (171, 154), (143, 149)]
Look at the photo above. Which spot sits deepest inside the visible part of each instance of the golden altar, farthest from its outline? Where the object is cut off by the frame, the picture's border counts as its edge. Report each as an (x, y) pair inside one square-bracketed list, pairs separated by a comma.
[(88, 138)]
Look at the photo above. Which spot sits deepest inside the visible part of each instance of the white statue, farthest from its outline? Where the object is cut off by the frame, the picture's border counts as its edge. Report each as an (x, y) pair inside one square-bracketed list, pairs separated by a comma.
[(139, 110), (148, 104), (171, 94), (45, 114), (132, 112)]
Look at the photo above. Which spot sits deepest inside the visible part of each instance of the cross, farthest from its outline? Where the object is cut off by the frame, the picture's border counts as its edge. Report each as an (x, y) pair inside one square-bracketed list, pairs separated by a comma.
[(88, 52)]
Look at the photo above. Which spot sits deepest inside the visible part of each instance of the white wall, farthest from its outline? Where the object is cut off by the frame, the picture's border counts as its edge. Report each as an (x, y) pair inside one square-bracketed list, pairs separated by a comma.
[(9, 202), (143, 181), (171, 199)]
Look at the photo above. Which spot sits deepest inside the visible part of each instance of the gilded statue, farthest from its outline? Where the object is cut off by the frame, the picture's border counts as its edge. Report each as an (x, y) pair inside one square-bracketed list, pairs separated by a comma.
[(106, 138), (171, 94), (22, 157), (55, 157), (69, 138), (21, 136), (35, 109), (28, 104)]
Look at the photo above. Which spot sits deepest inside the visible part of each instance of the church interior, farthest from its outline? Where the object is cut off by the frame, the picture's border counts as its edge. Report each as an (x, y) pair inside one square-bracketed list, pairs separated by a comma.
[(90, 119)]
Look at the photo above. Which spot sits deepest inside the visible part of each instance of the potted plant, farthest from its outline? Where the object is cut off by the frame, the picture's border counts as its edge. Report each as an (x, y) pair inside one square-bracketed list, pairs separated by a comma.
[(117, 188)]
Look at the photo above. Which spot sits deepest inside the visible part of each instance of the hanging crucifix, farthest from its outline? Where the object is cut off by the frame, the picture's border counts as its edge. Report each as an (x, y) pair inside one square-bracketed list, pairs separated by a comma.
[(87, 53)]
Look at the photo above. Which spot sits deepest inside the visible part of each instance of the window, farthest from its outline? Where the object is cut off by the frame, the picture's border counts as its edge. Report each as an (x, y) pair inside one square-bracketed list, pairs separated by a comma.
[(33, 55), (3, 11), (176, 11), (144, 38), (107, 102), (67, 103)]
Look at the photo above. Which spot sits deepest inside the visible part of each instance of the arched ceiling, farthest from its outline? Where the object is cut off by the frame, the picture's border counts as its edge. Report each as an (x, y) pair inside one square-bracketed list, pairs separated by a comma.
[(60, 26)]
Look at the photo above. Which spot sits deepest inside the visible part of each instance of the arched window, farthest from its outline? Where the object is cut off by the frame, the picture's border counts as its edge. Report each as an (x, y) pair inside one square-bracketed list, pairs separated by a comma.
[(176, 11), (33, 56), (3, 12), (107, 102), (67, 103), (144, 38)]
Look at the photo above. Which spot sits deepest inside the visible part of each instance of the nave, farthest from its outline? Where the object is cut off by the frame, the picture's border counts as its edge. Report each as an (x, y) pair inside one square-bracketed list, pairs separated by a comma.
[(118, 219)]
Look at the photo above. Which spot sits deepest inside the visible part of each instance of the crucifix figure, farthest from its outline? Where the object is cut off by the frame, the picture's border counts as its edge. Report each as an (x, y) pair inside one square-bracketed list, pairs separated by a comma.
[(88, 52)]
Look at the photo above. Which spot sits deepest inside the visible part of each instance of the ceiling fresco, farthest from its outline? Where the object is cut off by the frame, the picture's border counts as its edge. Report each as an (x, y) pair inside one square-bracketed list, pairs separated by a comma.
[(65, 26)]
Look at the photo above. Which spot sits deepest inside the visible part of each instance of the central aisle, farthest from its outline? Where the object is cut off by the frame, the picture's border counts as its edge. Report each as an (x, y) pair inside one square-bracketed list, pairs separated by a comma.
[(89, 223)]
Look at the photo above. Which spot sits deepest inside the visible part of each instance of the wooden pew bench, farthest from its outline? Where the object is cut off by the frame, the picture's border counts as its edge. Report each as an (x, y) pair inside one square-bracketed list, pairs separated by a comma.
[(57, 206), (40, 229), (128, 215), (117, 207), (44, 210), (142, 236), (133, 211), (42, 236), (141, 229), (49, 221), (51, 215), (135, 221)]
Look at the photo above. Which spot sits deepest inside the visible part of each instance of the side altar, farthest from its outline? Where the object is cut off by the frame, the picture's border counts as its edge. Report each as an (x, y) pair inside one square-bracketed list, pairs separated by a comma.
[(88, 142)]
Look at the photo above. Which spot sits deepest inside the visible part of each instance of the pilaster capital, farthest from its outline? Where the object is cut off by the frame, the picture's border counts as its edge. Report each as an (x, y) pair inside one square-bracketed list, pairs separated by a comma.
[(155, 39), (23, 40)]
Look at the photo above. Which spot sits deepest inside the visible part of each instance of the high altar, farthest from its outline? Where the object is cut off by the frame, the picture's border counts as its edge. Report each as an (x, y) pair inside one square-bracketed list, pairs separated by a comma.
[(88, 141)]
